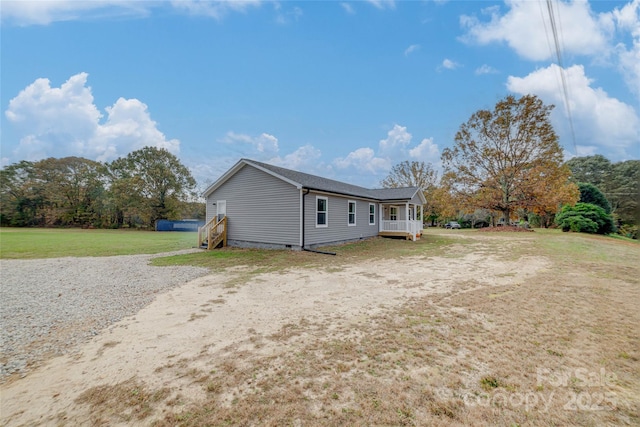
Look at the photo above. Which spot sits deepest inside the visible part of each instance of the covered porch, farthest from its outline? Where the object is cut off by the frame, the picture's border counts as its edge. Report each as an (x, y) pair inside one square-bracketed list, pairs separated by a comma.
[(401, 220)]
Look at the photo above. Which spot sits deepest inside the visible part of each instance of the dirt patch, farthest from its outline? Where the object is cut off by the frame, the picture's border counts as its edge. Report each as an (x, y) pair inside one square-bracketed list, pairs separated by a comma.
[(471, 336), (505, 228)]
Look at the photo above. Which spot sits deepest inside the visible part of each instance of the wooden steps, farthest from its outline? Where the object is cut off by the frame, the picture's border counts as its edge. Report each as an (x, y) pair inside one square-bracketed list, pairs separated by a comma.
[(213, 234)]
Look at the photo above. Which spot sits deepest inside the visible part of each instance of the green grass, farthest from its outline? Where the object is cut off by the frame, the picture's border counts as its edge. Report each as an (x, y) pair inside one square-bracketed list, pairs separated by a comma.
[(263, 260), (587, 247), (30, 243)]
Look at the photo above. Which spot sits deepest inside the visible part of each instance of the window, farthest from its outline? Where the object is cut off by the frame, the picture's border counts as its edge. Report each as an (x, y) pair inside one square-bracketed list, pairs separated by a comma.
[(322, 211), (352, 212), (372, 214), (393, 213)]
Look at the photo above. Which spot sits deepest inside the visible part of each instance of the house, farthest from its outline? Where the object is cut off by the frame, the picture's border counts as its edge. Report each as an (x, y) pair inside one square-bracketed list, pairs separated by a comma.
[(256, 204)]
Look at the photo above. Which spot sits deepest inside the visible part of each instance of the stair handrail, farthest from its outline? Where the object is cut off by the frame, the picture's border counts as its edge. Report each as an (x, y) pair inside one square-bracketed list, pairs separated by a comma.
[(220, 229), (207, 231)]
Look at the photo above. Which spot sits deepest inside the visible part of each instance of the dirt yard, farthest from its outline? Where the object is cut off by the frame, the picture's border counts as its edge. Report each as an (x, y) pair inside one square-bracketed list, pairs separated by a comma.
[(494, 329)]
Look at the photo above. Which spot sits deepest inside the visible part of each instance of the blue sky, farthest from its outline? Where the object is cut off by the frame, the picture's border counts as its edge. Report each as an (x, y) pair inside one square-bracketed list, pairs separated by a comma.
[(340, 89)]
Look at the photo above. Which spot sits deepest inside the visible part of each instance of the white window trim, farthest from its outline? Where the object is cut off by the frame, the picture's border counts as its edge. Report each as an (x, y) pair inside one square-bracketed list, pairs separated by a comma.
[(397, 210), (372, 215), (326, 213), (218, 210), (355, 207)]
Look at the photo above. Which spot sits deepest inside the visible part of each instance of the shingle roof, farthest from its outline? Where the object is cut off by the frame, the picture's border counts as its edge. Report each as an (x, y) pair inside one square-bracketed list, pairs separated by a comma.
[(318, 183), (332, 186)]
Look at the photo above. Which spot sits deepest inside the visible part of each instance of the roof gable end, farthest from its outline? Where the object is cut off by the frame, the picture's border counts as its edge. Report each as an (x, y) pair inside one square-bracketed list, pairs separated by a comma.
[(236, 168)]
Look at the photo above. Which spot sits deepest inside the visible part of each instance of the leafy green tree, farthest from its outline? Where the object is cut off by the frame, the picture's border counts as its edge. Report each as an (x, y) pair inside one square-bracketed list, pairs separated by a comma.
[(585, 218), (619, 182), (52, 192), (596, 170), (73, 188), (21, 202), (150, 184), (509, 158), (624, 191), (589, 193)]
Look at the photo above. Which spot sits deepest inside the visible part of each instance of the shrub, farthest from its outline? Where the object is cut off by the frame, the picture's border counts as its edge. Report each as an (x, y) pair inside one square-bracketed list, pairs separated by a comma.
[(589, 193), (585, 218), (628, 230), (580, 224)]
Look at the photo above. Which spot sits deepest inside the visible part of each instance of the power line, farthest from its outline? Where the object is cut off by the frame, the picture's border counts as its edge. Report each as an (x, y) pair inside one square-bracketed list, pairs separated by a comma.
[(565, 86)]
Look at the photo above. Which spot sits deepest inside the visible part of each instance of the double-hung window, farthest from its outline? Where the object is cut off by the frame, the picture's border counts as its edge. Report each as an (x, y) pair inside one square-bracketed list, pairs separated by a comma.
[(351, 220), (372, 214), (393, 213), (322, 211)]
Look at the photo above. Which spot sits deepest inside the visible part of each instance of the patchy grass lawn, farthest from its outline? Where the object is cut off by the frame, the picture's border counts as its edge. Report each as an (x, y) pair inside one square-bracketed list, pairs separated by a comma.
[(273, 260), (28, 243), (561, 348)]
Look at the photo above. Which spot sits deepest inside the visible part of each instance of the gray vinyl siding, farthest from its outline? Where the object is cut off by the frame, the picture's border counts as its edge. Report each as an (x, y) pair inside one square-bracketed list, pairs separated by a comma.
[(211, 209), (338, 229), (260, 208), (416, 200)]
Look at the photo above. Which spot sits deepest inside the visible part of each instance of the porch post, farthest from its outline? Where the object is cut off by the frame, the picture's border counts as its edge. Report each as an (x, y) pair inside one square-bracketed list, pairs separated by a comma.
[(408, 227)]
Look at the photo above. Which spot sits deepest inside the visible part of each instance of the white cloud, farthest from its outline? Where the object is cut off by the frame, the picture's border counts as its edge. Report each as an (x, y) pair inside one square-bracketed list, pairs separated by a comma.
[(304, 159), (526, 28), (348, 8), (627, 16), (449, 64), (283, 17), (128, 127), (69, 108), (609, 38), (364, 166), (599, 120), (411, 49), (583, 151), (426, 151), (64, 121), (364, 159), (485, 69), (628, 19), (397, 138), (214, 9), (43, 12), (395, 148), (263, 145), (383, 4)]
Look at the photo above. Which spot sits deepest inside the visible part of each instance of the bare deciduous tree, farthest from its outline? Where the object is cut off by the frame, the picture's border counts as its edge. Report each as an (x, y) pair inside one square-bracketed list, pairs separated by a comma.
[(411, 174)]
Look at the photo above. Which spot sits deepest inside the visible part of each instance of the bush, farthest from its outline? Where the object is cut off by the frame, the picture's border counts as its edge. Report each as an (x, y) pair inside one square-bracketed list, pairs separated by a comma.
[(589, 193), (630, 231), (585, 218), (580, 224)]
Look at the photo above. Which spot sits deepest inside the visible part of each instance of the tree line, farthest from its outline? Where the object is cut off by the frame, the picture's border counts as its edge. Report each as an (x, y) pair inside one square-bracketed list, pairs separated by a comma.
[(507, 165), (132, 191)]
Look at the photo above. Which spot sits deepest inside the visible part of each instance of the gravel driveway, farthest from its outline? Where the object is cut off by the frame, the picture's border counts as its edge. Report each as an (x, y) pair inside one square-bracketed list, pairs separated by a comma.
[(49, 306)]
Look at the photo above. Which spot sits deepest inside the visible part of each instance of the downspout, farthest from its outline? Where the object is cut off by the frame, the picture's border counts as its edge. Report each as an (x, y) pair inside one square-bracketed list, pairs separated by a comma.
[(302, 219), (303, 216)]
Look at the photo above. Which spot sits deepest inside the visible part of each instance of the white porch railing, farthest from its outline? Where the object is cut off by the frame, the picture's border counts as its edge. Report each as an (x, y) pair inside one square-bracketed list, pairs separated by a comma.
[(413, 227)]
